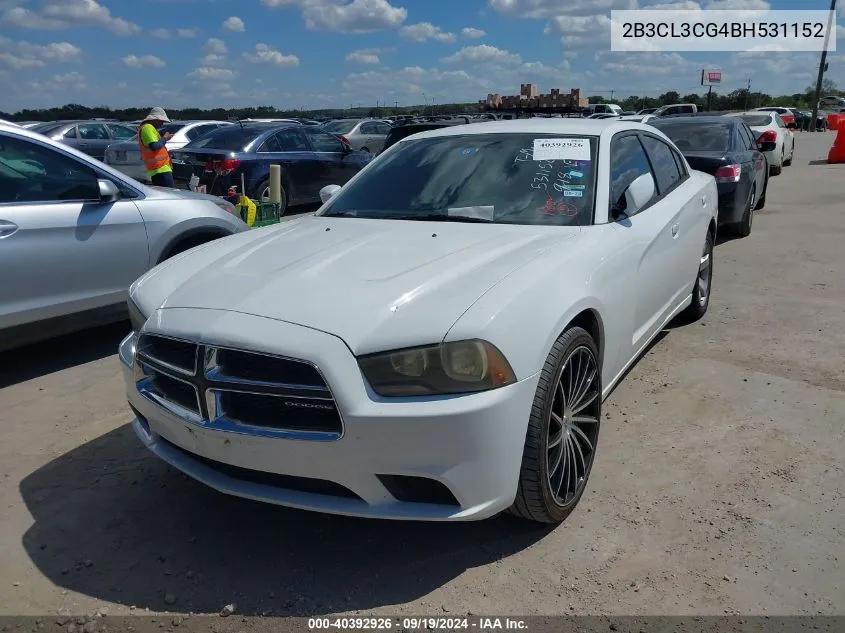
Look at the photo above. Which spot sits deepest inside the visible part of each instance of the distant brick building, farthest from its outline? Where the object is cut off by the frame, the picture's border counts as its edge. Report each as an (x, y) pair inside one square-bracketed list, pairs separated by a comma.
[(530, 98)]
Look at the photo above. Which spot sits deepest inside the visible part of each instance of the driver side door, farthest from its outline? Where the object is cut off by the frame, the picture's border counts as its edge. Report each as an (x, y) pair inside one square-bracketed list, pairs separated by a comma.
[(62, 250)]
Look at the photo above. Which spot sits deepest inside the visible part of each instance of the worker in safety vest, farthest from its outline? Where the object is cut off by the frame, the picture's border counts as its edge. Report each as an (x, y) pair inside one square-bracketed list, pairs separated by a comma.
[(153, 150)]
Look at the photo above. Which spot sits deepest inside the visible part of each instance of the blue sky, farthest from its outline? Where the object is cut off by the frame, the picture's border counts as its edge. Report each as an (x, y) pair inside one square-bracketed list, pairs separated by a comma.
[(329, 53)]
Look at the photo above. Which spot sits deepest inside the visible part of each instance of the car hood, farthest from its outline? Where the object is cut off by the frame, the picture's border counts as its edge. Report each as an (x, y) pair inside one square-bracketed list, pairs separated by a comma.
[(166, 193), (376, 284)]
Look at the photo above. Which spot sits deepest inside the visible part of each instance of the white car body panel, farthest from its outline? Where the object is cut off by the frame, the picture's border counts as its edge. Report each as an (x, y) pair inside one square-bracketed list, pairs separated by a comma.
[(326, 290)]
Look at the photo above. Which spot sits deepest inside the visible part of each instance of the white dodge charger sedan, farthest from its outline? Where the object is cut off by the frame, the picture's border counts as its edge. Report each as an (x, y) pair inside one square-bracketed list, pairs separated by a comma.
[(436, 341)]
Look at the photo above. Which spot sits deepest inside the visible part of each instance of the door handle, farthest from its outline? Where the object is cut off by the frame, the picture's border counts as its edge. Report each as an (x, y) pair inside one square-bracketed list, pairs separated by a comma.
[(7, 228), (675, 229), (703, 201)]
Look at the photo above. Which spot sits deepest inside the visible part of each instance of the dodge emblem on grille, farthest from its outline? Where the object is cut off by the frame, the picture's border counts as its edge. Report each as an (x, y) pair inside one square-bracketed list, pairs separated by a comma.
[(308, 405)]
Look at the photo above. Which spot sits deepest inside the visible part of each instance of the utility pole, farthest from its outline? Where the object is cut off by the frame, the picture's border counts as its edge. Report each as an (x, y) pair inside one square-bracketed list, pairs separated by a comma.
[(822, 66), (611, 95), (747, 95)]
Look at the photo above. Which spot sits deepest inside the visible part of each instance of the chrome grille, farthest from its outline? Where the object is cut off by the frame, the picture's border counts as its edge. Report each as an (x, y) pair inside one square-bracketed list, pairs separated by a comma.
[(237, 390)]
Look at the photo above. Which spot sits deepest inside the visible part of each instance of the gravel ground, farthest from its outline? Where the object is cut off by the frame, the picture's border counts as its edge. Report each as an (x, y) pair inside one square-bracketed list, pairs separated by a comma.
[(717, 488)]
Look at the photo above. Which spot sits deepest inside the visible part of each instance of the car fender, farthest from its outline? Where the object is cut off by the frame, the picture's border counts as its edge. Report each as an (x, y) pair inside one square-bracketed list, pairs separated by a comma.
[(525, 313)]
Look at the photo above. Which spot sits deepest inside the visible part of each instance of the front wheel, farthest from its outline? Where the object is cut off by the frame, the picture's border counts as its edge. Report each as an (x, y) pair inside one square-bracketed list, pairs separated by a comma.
[(563, 431), (703, 281)]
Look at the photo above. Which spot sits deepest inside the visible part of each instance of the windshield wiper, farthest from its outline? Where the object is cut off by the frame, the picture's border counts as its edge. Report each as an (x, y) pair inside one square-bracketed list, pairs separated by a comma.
[(440, 217)]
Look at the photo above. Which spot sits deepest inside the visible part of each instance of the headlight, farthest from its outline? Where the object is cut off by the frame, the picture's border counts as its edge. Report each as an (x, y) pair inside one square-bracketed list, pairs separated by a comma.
[(227, 206), (449, 368), (136, 316)]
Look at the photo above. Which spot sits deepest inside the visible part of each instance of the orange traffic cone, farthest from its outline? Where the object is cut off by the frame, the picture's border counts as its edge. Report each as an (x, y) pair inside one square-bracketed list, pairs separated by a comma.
[(837, 150)]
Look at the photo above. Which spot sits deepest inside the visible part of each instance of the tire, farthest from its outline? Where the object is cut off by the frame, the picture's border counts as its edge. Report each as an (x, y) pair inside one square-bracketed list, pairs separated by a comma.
[(262, 194), (743, 228), (573, 355), (188, 243), (761, 202), (774, 170), (703, 283)]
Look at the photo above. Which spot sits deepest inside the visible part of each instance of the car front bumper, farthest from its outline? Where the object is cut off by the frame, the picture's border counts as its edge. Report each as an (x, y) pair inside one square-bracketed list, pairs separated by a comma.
[(472, 445)]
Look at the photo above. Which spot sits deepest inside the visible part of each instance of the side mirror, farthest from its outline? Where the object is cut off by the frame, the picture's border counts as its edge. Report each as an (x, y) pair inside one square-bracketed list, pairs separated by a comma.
[(327, 192), (768, 146), (108, 190), (639, 193)]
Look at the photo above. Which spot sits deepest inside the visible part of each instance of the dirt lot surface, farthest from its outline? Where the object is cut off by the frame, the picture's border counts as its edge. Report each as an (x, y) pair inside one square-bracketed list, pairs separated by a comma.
[(718, 486)]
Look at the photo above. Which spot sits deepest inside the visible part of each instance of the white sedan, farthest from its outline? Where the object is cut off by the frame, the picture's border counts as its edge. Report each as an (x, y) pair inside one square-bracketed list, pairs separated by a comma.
[(126, 157), (435, 343), (769, 127)]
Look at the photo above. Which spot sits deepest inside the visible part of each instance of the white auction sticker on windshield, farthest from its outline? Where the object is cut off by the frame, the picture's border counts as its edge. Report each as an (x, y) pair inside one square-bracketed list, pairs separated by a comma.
[(547, 149)]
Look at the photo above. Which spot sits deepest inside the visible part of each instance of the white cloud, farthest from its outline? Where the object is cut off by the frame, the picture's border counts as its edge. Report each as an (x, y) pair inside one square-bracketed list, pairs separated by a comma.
[(472, 33), (213, 60), (165, 34), (265, 55), (363, 57), (483, 53), (143, 61), (581, 30), (235, 24), (69, 82), (18, 54), (214, 47), (87, 12), (26, 19), (344, 16), (551, 8), (425, 31), (204, 73)]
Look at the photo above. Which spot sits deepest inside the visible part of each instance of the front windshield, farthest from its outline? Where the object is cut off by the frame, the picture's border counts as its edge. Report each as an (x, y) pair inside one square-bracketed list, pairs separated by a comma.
[(501, 178), (696, 136), (340, 127)]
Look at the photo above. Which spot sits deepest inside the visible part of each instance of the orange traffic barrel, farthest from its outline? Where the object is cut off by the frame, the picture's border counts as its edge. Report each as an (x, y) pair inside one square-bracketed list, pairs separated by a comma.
[(837, 150), (833, 121)]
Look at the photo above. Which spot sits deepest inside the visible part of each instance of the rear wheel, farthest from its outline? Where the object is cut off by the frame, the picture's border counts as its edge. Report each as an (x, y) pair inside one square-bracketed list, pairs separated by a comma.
[(743, 228), (563, 430), (703, 279), (762, 201), (788, 161), (263, 195)]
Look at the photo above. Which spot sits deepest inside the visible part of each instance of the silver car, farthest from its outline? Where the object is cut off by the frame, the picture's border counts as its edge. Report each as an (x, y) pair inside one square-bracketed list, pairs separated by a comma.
[(91, 137), (366, 135), (126, 156), (75, 233)]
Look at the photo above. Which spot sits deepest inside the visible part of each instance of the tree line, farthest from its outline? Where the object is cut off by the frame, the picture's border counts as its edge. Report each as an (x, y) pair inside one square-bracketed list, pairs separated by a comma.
[(735, 100)]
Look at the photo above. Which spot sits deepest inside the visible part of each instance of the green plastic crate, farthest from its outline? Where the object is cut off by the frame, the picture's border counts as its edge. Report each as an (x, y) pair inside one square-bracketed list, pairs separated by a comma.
[(266, 213)]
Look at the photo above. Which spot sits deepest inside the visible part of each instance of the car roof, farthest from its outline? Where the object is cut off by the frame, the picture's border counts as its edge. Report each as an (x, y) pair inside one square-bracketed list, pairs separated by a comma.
[(588, 127), (697, 119)]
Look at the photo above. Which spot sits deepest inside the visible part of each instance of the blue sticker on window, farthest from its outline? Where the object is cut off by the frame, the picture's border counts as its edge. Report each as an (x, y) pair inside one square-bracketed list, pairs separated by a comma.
[(573, 193), (469, 151)]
